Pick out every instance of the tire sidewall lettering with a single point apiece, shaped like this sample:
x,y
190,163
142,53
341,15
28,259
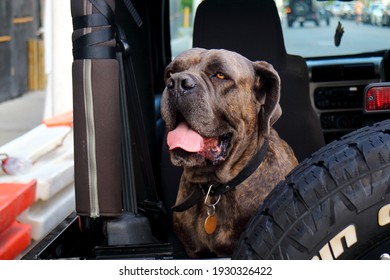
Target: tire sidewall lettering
x,y
384,215
334,248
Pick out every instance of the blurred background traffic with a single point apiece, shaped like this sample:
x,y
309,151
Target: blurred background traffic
x,y
308,26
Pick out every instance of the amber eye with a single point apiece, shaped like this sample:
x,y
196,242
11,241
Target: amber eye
x,y
220,76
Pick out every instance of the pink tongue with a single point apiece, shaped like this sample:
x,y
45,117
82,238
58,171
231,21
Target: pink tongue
x,y
185,138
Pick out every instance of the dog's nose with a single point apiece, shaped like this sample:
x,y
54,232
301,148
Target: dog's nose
x,y
187,83
181,83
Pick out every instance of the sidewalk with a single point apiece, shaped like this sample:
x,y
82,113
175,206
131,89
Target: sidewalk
x,y
19,115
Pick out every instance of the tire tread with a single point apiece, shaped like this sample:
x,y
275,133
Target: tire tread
x,y
349,176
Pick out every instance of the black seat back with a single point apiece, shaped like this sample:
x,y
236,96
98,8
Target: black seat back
x,y
253,29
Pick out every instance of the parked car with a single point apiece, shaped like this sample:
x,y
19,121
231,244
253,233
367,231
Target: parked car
x,y
335,8
377,15
366,15
306,10
335,102
386,17
346,11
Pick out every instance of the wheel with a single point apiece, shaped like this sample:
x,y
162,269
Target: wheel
x,y
334,205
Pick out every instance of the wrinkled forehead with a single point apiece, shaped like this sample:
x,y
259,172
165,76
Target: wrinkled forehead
x,y
212,61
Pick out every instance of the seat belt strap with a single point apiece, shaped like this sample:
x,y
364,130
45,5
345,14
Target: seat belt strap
x,y
136,126
128,184
133,12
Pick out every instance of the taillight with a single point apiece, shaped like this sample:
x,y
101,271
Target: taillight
x,y
288,10
378,97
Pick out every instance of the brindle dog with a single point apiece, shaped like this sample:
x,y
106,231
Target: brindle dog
x,y
219,109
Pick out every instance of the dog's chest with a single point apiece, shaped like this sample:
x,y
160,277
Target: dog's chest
x,y
195,226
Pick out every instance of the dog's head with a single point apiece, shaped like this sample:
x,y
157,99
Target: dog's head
x,y
215,103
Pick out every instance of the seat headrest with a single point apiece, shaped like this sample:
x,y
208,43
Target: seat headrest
x,y
249,27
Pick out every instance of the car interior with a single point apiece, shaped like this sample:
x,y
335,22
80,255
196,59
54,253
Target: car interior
x,y
321,100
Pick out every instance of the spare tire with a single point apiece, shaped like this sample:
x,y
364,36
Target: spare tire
x,y
334,205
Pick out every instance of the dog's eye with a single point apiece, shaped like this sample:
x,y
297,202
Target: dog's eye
x,y
220,76
169,74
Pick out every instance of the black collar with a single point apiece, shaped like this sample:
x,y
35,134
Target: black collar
x,y
220,189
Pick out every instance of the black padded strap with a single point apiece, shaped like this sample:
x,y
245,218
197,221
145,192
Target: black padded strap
x,y
104,9
91,45
92,20
93,38
94,52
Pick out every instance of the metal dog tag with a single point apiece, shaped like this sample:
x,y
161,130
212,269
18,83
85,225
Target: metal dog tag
x,y
210,224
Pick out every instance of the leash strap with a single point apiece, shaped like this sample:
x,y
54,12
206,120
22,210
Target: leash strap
x,y
190,201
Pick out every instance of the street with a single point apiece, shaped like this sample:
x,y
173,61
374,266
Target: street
x,y
312,41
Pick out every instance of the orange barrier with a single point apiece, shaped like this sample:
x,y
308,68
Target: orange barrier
x,y
14,240
65,119
14,199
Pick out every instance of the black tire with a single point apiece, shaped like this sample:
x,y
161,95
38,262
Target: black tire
x,y
334,205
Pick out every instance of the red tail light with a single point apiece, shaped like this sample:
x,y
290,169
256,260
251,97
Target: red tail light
x,y
378,98
288,10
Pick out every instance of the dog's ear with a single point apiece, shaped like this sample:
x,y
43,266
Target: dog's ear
x,y
267,89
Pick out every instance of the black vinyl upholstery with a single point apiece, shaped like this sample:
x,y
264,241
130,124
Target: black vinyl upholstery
x,y
253,29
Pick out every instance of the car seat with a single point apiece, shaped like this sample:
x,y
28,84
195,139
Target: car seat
x,y
253,29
